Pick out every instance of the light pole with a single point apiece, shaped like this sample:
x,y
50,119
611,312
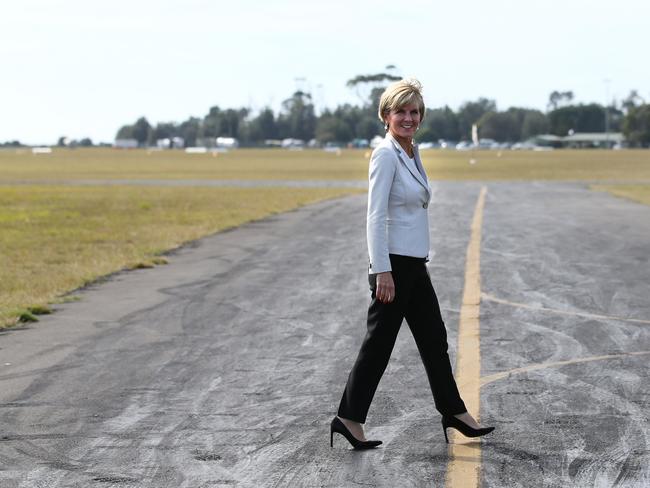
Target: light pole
x,y
606,81
319,99
300,83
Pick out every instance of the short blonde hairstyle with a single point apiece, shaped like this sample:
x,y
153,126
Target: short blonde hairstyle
x,y
401,93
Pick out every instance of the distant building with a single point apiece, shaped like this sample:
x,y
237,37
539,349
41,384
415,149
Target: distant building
x,y
170,143
543,140
376,141
581,140
125,143
359,143
227,142
218,142
290,143
594,139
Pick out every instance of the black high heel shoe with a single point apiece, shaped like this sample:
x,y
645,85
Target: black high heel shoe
x,y
338,426
464,429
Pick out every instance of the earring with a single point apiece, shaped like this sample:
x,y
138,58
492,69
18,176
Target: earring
x,y
385,126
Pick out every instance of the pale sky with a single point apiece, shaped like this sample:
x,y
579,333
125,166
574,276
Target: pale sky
x,y
81,68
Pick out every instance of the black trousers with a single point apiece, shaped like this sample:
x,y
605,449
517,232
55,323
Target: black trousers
x,y
416,301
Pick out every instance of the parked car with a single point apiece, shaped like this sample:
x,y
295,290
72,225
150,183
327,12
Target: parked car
x,y
427,145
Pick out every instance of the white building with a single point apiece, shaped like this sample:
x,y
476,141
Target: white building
x,y
218,142
290,143
125,143
227,142
376,141
170,143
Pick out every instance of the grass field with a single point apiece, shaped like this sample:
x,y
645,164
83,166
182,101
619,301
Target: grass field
x,y
56,237
277,164
638,193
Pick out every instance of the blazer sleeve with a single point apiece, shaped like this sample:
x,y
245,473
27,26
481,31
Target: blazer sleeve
x,y
380,174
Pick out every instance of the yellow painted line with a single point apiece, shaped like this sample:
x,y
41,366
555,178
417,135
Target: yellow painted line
x,y
494,299
505,374
465,456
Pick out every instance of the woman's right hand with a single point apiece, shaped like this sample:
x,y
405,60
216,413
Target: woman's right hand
x,y
385,291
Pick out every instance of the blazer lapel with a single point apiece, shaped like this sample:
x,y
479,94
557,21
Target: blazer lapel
x,y
417,172
418,163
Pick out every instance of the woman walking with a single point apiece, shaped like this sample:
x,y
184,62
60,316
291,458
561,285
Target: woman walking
x,y
398,247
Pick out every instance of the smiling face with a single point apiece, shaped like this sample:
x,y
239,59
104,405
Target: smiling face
x,y
403,121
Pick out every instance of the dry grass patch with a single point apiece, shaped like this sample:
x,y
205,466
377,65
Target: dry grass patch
x,y
567,165
55,239
279,164
246,164
638,193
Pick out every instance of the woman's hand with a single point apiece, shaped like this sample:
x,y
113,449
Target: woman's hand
x,y
385,291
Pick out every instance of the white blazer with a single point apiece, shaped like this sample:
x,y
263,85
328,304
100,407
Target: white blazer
x,y
398,202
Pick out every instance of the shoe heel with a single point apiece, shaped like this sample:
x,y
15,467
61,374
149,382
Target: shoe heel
x,y
444,429
463,428
338,426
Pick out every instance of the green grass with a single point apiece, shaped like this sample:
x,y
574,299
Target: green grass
x,y
54,239
278,164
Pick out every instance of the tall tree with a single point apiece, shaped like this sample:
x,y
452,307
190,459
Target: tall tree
x,y
331,128
439,123
141,130
534,123
500,126
579,118
369,87
125,132
189,130
632,100
636,125
615,118
231,121
558,98
262,127
211,126
297,119
163,130
367,127
470,113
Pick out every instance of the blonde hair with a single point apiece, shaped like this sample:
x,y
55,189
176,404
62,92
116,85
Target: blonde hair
x,y
401,93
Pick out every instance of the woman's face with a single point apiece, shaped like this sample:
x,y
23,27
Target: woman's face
x,y
404,121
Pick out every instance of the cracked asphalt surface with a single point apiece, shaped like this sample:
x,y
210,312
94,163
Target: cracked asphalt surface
x,y
224,367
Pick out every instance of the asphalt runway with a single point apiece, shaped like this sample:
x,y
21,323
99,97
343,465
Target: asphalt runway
x,y
225,367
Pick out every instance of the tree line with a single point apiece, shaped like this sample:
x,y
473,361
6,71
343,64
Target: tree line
x,y
297,119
